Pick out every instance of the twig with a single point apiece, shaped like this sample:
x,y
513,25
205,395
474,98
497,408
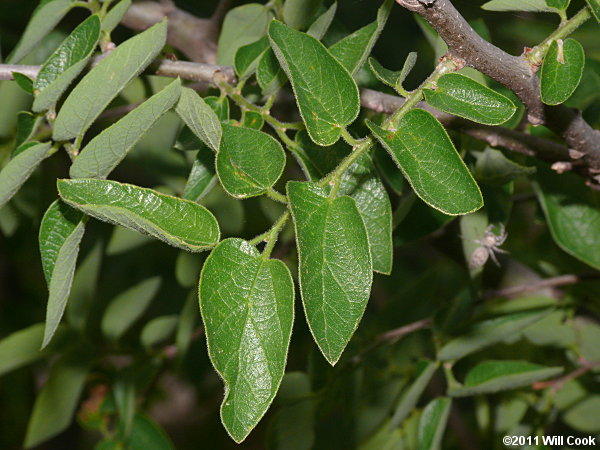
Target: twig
x,y
515,72
558,383
392,336
563,280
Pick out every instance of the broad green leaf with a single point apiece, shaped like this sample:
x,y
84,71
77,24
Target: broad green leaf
x,y
44,19
106,150
200,117
462,96
494,168
128,307
325,107
422,149
494,376
56,403
353,50
146,434
21,348
572,211
114,16
424,372
561,71
362,183
321,24
180,223
247,305
61,232
247,57
220,105
297,13
252,119
202,177
558,4
583,416
594,6
101,84
432,423
158,330
392,78
242,26
187,268
269,74
65,64
335,266
517,5
20,168
488,332
23,81
249,161
27,124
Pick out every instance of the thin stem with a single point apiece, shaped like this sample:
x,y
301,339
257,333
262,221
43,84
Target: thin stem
x,y
349,138
274,195
273,234
565,29
563,280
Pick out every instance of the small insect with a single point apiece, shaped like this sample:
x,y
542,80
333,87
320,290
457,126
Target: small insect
x,y
489,246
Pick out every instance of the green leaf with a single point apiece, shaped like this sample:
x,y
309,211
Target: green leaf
x,y
187,322
424,372
269,74
128,307
242,26
201,118
321,24
572,211
420,220
494,168
27,124
220,105
561,71
353,50
24,82
61,232
21,348
422,149
388,169
247,304
517,5
432,423
325,107
335,267
148,435
247,57
65,64
297,13
362,183
488,332
187,268
252,119
20,168
106,150
101,84
494,376
594,6
583,416
44,19
158,330
558,4
392,78
464,97
202,177
114,16
144,210
56,403
249,161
